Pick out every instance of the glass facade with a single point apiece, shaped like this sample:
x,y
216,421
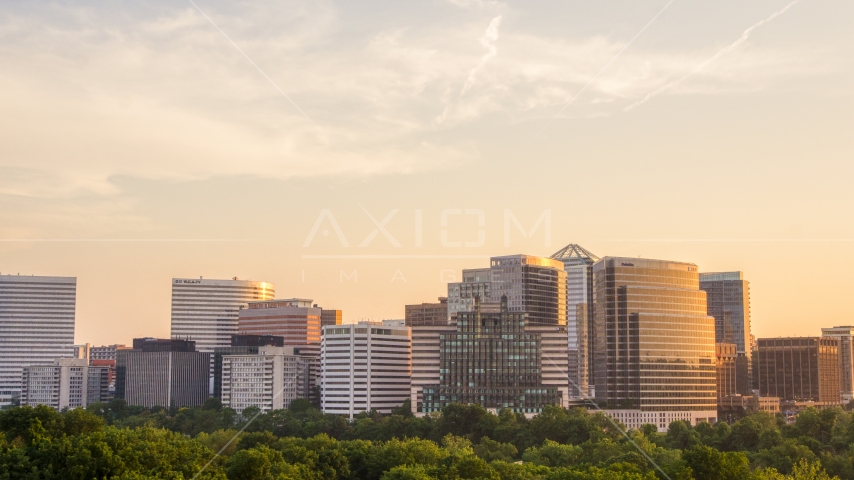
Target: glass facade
x,y
654,344
534,285
728,301
492,361
578,264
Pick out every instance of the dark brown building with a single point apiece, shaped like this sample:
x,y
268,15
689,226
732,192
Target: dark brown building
x,y
725,366
427,314
800,369
330,317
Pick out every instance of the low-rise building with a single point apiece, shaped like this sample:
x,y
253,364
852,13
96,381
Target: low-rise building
x,y
799,369
162,372
68,383
270,379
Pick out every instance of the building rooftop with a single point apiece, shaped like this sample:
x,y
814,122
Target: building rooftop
x,y
573,251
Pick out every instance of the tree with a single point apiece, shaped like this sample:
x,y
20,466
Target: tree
x,y
490,450
706,463
553,454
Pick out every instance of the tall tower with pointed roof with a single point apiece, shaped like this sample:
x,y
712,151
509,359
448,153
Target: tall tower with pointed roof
x,y
578,264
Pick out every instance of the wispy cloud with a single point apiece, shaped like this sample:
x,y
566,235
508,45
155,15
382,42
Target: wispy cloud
x,y
729,48
488,42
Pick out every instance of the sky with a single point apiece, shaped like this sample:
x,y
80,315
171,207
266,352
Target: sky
x,y
141,141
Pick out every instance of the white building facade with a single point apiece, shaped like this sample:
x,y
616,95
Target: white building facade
x,y
269,380
36,326
365,366
206,311
425,359
69,383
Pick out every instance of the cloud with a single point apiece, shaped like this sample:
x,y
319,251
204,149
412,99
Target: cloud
x,y
729,48
93,93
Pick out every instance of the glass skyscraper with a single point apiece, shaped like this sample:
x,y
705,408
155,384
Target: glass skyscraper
x,y
654,344
578,264
491,360
728,300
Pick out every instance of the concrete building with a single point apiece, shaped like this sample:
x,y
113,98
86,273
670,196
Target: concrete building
x,y
845,335
654,344
68,383
365,366
241,345
206,311
36,326
427,313
270,379
106,352
799,369
725,368
493,360
425,360
162,372
728,301
578,264
296,320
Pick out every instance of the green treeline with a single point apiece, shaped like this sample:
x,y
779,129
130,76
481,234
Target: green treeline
x,y
109,441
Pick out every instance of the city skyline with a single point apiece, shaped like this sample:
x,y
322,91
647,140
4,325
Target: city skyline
x,y
168,140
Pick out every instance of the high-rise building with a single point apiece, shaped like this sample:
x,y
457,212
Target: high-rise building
x,y
206,311
106,352
68,383
578,264
427,313
533,285
162,372
728,301
491,360
270,379
36,326
294,319
331,317
845,335
365,366
799,369
654,344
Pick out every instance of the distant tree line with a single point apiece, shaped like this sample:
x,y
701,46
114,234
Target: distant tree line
x,y
117,441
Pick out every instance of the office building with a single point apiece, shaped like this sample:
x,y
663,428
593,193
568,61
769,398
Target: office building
x,y
162,372
331,317
241,345
36,326
427,313
425,359
654,344
728,301
845,335
68,383
106,352
269,379
799,369
461,295
365,366
725,368
578,264
491,360
294,319
206,311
